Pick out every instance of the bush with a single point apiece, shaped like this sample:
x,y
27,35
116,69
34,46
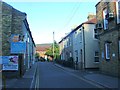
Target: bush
x,y
68,63
42,59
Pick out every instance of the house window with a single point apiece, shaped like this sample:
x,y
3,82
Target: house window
x,y
104,19
76,53
118,11
75,32
119,49
96,58
107,51
70,54
28,39
95,34
69,41
80,37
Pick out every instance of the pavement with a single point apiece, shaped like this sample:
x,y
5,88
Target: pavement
x,y
27,81
97,77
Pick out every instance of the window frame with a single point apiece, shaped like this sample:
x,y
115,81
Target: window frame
x,y
119,49
95,34
118,11
105,21
96,56
107,51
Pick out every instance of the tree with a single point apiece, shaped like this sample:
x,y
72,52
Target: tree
x,y
37,55
49,51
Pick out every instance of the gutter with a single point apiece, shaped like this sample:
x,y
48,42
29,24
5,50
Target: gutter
x,y
83,47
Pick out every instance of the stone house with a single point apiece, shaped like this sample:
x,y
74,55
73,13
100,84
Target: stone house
x,y
17,45
108,27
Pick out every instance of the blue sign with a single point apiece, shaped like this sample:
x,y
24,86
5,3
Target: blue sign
x,y
18,47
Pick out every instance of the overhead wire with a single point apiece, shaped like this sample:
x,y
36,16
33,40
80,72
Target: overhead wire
x,y
74,11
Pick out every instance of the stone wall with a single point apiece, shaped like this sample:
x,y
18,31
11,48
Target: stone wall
x,y
0,28
6,28
11,23
112,66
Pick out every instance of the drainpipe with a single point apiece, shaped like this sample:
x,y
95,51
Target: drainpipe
x,y
83,48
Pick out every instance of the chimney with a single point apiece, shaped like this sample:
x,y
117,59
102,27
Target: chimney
x,y
91,16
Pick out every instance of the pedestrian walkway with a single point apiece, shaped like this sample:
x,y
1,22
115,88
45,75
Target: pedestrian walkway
x,y
95,77
25,82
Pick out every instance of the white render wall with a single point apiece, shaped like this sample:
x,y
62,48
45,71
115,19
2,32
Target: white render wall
x,y
91,45
77,44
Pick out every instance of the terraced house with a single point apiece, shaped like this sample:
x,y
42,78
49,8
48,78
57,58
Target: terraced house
x,y
85,44
108,27
82,45
66,47
17,44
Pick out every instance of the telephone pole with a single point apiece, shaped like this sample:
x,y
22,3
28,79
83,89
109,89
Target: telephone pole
x,y
53,45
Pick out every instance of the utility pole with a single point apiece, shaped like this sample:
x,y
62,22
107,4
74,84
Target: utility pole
x,y
53,45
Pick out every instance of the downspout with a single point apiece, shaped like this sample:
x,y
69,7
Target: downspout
x,y
83,47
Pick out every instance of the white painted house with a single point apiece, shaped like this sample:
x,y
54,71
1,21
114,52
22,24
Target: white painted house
x,y
82,44
85,45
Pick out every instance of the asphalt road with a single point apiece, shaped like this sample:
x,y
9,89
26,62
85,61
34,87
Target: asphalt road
x,y
50,76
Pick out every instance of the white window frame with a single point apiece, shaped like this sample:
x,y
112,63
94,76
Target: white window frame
x,y
107,50
70,54
104,19
70,41
118,11
96,56
80,35
94,34
119,48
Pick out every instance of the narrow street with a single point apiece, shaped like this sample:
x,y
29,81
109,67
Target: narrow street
x,y
51,76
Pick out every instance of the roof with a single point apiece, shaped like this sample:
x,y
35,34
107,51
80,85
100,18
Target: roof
x,y
43,47
91,21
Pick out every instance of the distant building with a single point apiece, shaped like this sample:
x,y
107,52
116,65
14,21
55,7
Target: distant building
x,y
108,27
42,48
18,48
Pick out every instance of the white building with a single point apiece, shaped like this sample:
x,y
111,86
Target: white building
x,y
82,45
85,45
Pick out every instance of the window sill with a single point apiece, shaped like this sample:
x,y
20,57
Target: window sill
x,y
96,62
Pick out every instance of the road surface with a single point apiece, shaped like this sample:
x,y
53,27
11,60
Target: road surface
x,y
48,75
